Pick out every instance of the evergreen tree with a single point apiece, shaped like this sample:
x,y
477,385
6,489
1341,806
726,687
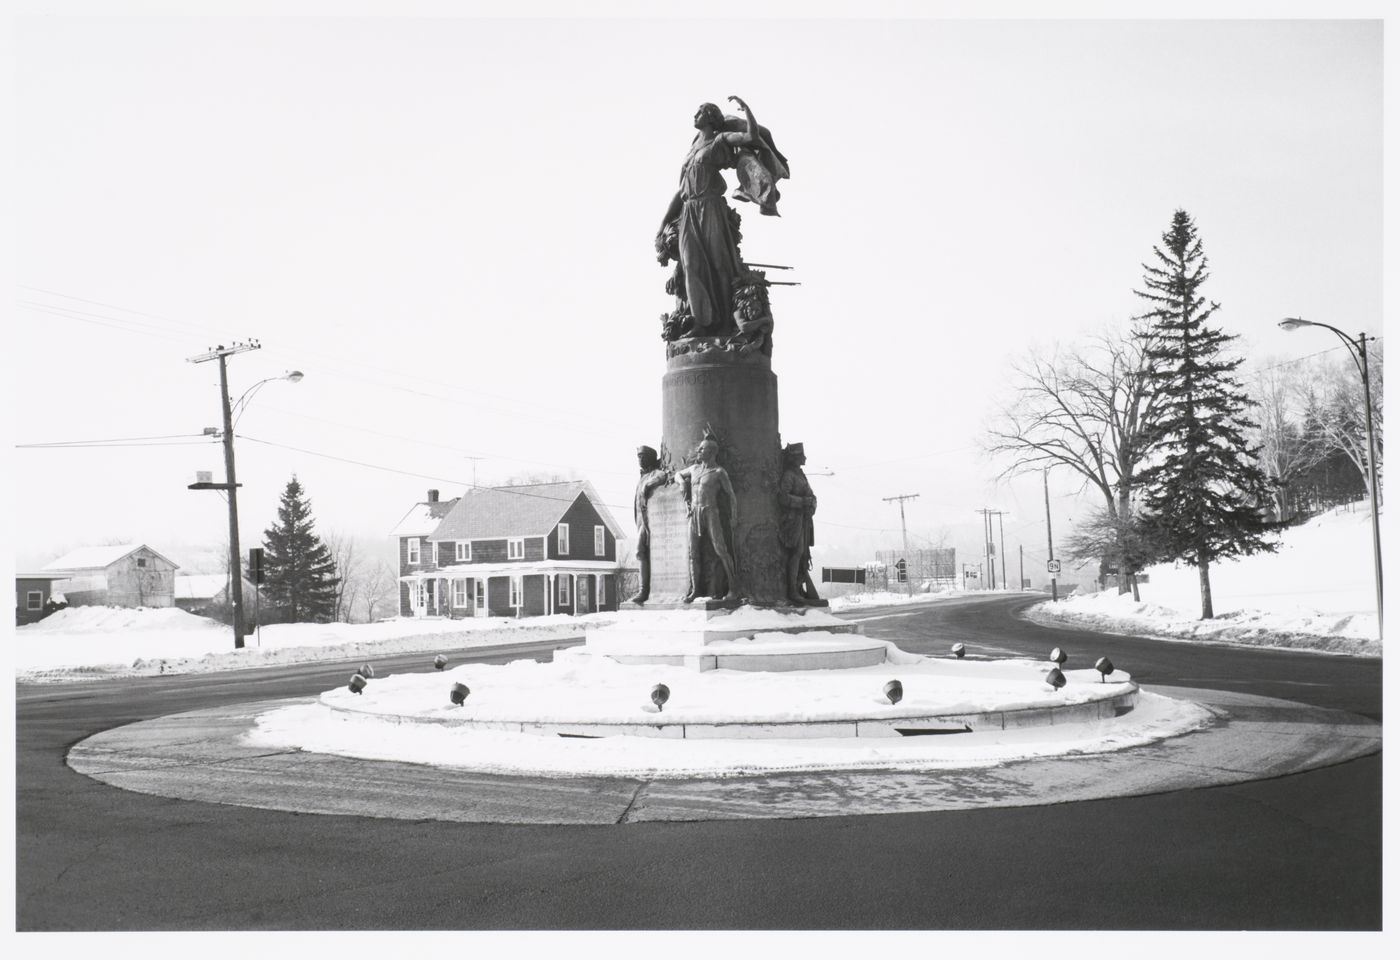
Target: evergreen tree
x,y
300,574
1204,494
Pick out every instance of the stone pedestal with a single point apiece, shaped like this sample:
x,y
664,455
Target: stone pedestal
x,y
733,396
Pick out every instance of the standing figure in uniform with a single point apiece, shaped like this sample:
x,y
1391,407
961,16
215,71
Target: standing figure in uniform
x,y
709,499
796,506
653,476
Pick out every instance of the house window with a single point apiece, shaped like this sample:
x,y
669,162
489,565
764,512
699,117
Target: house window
x,y
515,548
602,589
141,561
413,550
564,591
599,542
464,550
459,593
515,591
480,594
435,553
34,600
563,539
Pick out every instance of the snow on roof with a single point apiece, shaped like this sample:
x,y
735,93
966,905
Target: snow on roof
x,y
422,519
199,586
99,558
526,510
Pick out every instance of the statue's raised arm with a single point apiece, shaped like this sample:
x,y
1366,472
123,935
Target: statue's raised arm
x,y
699,231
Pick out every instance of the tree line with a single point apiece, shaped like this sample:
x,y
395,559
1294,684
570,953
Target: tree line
x,y
1194,459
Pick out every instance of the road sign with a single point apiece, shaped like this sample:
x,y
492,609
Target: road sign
x,y
1052,566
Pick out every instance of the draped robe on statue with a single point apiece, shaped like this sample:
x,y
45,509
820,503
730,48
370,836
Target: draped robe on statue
x,y
708,248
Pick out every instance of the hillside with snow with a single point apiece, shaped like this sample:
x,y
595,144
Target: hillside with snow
x,y
1317,591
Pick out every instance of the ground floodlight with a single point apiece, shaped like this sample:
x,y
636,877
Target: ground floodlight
x,y
368,671
959,650
660,694
1058,657
1104,666
894,691
459,693
439,661
357,683
1055,678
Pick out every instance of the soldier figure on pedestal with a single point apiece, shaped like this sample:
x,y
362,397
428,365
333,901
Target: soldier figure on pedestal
x,y
653,476
709,498
796,504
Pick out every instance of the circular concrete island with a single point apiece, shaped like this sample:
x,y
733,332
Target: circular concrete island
x,y
719,693
718,714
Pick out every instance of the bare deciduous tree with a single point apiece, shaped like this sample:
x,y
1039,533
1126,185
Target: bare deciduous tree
x,y
1286,449
380,588
347,567
1338,410
1085,410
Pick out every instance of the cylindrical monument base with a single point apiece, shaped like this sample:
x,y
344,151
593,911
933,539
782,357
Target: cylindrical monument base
x,y
734,398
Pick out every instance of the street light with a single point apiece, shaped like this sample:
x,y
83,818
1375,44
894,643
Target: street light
x,y
1356,346
292,376
222,353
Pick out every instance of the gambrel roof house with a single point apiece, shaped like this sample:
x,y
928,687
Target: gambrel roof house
x,y
522,550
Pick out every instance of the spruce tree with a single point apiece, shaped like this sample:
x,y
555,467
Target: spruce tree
x,y
300,576
1204,494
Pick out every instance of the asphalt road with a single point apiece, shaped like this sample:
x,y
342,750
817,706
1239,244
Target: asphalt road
x,y
1298,853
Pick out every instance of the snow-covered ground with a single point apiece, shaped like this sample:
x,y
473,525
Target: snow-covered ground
x,y
98,642
1316,592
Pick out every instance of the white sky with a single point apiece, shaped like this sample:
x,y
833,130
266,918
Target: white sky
x,y
446,223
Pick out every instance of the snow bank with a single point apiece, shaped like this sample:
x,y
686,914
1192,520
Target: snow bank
x,y
1316,592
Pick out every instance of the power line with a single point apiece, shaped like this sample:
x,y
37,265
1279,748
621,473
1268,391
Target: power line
x,y
113,440
515,490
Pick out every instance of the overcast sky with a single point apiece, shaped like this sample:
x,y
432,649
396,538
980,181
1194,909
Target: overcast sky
x,y
446,223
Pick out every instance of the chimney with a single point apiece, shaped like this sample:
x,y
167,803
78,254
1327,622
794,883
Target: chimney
x,y
432,496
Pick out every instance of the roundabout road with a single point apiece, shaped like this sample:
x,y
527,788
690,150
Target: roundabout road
x,y
1296,852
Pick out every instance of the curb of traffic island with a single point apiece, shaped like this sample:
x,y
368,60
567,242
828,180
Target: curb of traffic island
x,y
1015,718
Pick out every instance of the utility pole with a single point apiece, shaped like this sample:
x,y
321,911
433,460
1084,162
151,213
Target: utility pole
x,y
1049,539
989,547
908,582
1022,547
235,564
1001,532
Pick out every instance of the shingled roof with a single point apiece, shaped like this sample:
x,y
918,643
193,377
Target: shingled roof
x,y
527,510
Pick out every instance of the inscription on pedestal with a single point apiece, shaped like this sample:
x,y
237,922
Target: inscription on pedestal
x,y
670,543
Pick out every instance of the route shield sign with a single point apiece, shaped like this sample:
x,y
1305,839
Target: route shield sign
x,y
1052,566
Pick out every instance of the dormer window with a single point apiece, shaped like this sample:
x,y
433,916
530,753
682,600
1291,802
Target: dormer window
x,y
464,551
515,549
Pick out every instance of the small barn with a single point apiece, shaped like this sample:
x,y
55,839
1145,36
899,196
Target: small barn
x,y
206,594
123,575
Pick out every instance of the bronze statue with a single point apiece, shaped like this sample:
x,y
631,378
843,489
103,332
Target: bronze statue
x,y
796,506
653,476
710,503
700,232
